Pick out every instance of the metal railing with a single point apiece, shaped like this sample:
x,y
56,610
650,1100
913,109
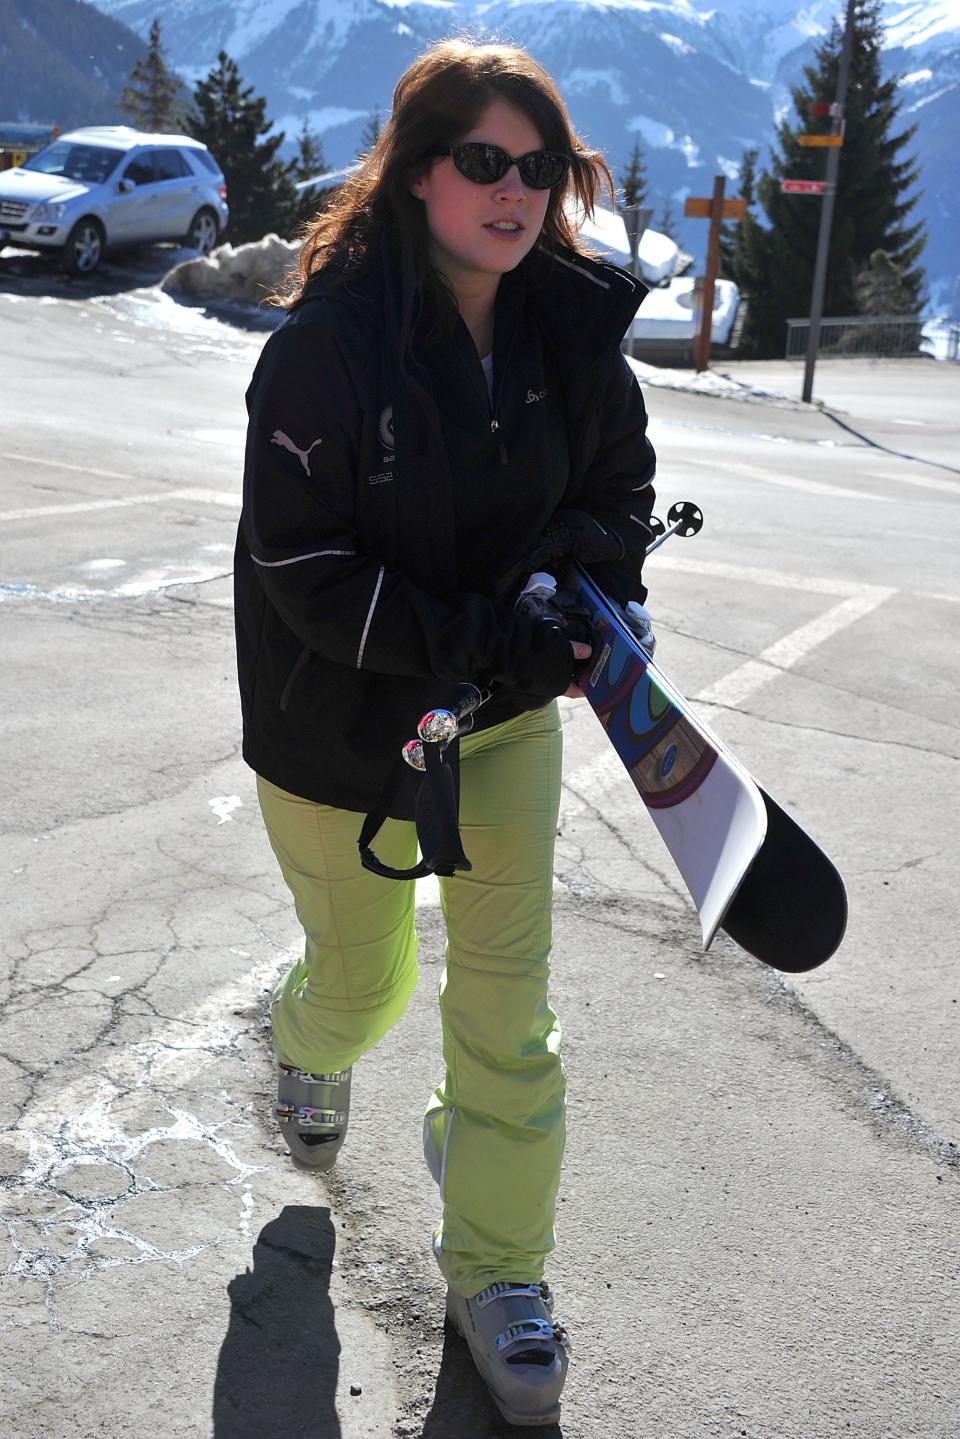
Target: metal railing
x,y
843,336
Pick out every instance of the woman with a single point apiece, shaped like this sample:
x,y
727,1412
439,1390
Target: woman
x,y
447,386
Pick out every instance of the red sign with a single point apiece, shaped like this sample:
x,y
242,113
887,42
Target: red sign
x,y
802,187
819,107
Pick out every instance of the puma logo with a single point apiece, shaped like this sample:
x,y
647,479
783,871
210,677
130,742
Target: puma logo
x,y
285,443
534,395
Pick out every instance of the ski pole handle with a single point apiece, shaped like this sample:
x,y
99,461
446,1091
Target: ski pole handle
x,y
440,726
685,519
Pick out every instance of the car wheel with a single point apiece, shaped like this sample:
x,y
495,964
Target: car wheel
x,y
84,248
204,232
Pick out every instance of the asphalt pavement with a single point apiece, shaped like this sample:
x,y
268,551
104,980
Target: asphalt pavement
x,y
758,1224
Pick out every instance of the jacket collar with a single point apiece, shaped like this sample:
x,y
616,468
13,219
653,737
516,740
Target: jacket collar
x,y
583,304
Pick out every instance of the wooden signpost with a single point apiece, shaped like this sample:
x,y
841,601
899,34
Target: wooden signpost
x,y
715,209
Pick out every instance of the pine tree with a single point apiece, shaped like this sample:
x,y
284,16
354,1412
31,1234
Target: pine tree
x,y
306,165
732,236
633,181
667,224
151,97
873,201
371,133
881,288
232,123
308,161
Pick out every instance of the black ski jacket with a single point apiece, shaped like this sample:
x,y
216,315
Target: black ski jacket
x,y
387,506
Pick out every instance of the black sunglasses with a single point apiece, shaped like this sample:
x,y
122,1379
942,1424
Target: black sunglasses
x,y
486,164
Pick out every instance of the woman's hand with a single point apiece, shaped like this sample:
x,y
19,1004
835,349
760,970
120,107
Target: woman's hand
x,y
580,652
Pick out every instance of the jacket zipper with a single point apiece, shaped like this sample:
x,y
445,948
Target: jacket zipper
x,y
495,407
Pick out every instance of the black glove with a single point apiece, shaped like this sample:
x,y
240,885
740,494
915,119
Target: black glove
x,y
570,535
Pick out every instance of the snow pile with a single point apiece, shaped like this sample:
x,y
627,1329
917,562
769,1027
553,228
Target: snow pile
x,y
709,382
242,273
941,339
657,254
669,313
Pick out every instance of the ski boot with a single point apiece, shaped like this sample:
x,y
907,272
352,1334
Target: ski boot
x,y
520,1351
313,1111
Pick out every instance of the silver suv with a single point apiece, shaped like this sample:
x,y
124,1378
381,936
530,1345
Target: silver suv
x,y
109,187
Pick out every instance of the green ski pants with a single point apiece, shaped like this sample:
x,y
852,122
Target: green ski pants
x,y
494,1128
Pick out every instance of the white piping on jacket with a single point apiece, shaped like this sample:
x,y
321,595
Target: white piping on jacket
x,y
373,606
313,555
642,523
579,269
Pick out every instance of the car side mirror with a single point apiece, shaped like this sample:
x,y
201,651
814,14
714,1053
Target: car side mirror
x,y
125,186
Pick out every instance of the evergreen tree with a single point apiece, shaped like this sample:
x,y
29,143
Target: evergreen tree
x,y
881,288
732,235
873,201
306,165
371,133
232,123
151,97
667,224
633,181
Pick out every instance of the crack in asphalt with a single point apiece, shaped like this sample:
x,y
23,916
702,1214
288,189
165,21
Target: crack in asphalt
x,y
776,723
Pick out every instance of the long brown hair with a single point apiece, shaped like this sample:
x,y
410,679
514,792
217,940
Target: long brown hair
x,y
438,99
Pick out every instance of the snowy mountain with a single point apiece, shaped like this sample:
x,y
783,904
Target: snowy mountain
x,y
695,85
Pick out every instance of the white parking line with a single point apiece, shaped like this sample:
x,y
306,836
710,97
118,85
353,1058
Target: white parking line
x,y
65,465
203,497
788,482
922,482
732,689
756,574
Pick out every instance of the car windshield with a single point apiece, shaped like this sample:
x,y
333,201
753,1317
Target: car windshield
x,y
88,163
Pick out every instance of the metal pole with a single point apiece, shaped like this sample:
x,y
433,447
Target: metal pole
x,y
636,218
701,350
826,214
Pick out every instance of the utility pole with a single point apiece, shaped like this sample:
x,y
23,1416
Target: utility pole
x,y
826,214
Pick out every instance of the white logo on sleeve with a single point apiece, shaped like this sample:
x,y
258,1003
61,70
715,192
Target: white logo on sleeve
x,y
284,441
534,395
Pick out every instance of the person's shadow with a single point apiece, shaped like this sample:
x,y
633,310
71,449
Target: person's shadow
x,y
461,1393
278,1365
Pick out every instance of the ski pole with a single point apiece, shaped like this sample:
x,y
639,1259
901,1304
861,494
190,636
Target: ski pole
x,y
440,726
685,518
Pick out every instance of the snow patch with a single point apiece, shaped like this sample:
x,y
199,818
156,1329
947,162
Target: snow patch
x,y
929,99
326,118
657,254
909,23
669,313
578,82
675,43
244,273
96,567
223,806
916,77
